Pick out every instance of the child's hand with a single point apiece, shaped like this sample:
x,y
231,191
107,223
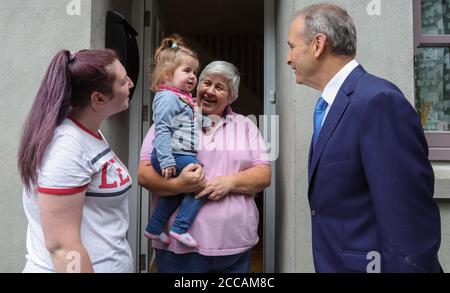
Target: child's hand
x,y
168,172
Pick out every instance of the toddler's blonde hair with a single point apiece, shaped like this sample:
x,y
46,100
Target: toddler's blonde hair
x,y
167,59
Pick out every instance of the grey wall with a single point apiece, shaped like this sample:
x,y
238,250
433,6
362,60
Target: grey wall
x,y
32,32
385,48
444,252
293,223
35,31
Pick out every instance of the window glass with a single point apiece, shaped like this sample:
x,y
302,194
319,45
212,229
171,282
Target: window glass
x,y
433,88
435,17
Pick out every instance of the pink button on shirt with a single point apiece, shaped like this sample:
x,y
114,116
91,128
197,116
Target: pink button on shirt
x,y
228,226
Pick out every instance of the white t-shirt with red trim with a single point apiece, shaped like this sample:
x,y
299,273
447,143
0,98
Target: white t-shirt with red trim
x,y
78,160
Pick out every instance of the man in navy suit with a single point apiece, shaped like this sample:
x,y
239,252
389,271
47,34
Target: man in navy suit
x,y
371,184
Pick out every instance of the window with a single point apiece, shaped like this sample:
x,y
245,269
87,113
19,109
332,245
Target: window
x,y
432,73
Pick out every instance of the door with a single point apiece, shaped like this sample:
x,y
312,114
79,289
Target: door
x,y
228,43
145,19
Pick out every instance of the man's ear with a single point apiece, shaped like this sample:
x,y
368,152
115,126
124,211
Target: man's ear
x,y
319,45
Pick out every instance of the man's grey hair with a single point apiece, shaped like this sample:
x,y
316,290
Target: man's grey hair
x,y
229,71
332,21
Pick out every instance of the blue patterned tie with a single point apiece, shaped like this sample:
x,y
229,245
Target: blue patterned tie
x,y
319,113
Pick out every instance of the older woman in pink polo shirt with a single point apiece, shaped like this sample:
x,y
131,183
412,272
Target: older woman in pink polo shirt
x,y
235,168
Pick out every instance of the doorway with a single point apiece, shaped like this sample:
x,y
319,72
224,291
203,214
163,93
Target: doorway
x,y
229,30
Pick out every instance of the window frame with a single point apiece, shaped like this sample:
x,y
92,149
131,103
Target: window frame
x,y
438,141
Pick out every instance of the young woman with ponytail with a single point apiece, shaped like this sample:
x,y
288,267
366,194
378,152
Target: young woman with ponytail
x,y
75,187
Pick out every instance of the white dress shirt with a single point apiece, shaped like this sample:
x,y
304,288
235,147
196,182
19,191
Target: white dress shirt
x,y
331,89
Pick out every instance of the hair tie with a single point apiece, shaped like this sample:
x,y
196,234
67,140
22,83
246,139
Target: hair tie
x,y
71,56
174,45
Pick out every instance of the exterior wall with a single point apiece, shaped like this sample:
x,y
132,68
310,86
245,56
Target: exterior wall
x,y
44,28
444,252
389,37
293,231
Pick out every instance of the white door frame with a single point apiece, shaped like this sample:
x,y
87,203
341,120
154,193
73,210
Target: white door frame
x,y
151,35
139,124
270,132
145,20
135,138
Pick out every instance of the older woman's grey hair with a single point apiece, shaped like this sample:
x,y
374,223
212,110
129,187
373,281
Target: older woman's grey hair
x,y
229,71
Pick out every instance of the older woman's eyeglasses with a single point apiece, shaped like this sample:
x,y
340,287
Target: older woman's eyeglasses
x,y
218,87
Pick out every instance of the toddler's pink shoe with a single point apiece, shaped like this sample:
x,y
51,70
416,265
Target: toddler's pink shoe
x,y
162,237
184,238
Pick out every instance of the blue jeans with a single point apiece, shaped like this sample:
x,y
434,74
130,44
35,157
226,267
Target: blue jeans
x,y
169,262
165,206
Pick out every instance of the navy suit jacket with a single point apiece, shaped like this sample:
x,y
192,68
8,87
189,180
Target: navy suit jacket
x,y
371,184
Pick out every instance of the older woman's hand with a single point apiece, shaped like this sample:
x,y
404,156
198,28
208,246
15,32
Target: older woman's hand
x,y
191,178
217,188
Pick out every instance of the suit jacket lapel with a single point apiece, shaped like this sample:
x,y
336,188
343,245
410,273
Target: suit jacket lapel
x,y
332,120
335,114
